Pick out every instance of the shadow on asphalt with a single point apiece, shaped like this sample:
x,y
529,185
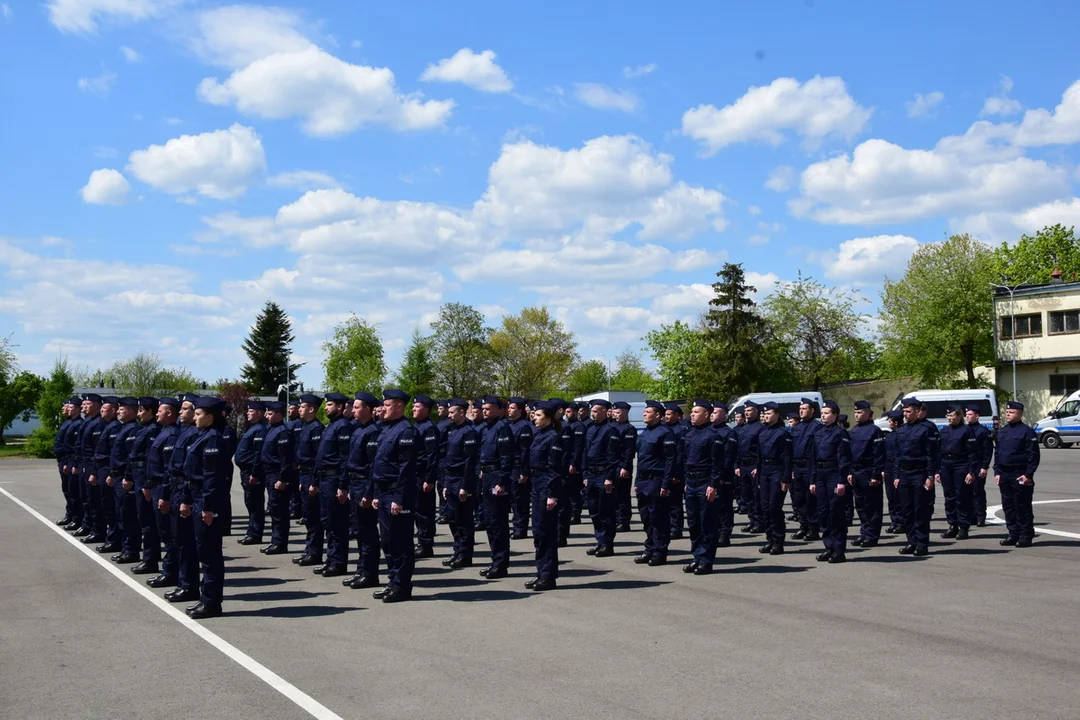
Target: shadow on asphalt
x,y
892,558
474,595
277,595
761,569
230,569
619,585
1053,543
259,580
292,611
968,551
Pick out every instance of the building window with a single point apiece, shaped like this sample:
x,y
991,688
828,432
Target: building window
x,y
1064,321
1064,384
1026,326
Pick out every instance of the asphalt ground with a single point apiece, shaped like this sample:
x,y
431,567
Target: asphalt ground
x,y
973,630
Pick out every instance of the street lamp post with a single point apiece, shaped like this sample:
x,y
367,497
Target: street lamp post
x,y
1012,319
607,371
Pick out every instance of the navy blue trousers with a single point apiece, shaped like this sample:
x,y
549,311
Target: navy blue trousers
x,y
334,518
127,514
959,496
675,507
400,555
255,502
892,496
312,507
575,485
170,559
110,511
978,495
624,506
208,543
658,522
279,505
426,507
772,505
703,522
148,526
916,506
497,512
463,529
545,528
832,512
803,503
186,550
1016,503
522,502
601,511
869,502
725,509
367,539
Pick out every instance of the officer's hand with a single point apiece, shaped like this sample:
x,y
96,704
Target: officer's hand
x,y
428,487
982,474
252,480
313,490
573,470
109,481
896,483
92,480
841,490
163,507
185,510
784,487
1024,480
522,479
365,503
74,469
753,473
637,490
498,491
146,494
63,469
608,486
738,472
584,483
997,479
551,503
624,473
128,485
395,509
207,517
929,484
968,479
462,495
375,504
710,493
937,478
664,493
444,493
849,478
279,485
874,482
342,496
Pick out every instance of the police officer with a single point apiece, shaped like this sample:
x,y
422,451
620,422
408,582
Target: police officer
x,y
249,461
102,477
725,486
182,525
1015,464
774,477
86,441
158,533
443,426
673,418
277,465
624,480
545,466
203,498
656,457
363,446
521,428
496,473
128,532
892,494
867,466
332,496
830,456
916,466
230,439
984,451
63,449
296,497
566,442
394,474
306,449
599,467
427,473
702,450
460,478
803,503
746,468
145,522
574,485
958,452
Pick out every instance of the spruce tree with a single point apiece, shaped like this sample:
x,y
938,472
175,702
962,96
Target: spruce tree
x,y
268,348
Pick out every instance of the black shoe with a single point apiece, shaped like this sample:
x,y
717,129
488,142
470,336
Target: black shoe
x,y
543,585
813,536
479,527
563,542
441,520
765,549
301,521
127,558
907,550
460,562
447,562
273,550
604,551
519,535
382,592
145,568
1007,541
921,550
837,558
108,547
690,568
981,523
334,571
1026,542
353,535
800,534
363,581
747,529
64,520
182,595
703,570
396,595
757,530
857,542
642,559
81,532
497,573
963,534
115,557
423,551
73,526
723,542
656,560
622,527
824,557
951,532
792,518
202,611
532,583
868,544
575,519
294,516
592,550
319,570
249,540
160,581
676,534
308,561
891,530
777,550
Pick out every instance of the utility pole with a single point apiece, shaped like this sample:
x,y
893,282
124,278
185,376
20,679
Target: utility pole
x,y
1012,320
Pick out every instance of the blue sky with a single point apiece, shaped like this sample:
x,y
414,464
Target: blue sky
x,y
170,166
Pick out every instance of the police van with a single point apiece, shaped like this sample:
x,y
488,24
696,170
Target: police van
x,y
1061,428
787,402
936,403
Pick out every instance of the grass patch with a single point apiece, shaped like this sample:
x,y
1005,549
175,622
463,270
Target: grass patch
x,y
13,449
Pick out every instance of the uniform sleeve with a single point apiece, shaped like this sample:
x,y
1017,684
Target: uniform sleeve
x,y
786,450
628,443
504,440
431,447
405,458
671,459
579,448
1032,442
213,467
524,442
811,461
718,467
934,444
470,448
879,453
843,456
987,450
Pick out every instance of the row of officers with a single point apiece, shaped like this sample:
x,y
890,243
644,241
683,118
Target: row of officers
x,y
150,480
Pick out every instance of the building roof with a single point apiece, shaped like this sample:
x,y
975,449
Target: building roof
x,y
1049,288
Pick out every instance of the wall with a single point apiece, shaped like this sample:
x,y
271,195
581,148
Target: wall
x,y
879,393
1046,345
1033,386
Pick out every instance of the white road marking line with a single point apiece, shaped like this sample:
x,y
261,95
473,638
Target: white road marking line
x,y
993,510
302,700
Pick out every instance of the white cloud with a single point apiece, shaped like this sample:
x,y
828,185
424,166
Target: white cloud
x,y
106,187
640,70
83,16
99,85
5,11
477,70
763,283
996,227
781,178
1002,104
753,210
682,212
758,239
601,97
303,180
219,164
815,110
132,56
867,259
1061,127
279,73
923,104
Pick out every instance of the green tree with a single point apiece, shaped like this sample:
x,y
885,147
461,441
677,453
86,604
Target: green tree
x,y
814,324
1033,258
630,374
145,374
587,377
462,355
856,359
533,352
416,375
354,358
56,390
269,348
676,349
17,399
8,363
937,320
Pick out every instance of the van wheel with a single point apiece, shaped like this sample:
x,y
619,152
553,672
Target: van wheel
x,y
1052,441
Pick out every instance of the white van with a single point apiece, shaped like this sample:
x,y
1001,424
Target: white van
x,y
936,402
788,402
1061,428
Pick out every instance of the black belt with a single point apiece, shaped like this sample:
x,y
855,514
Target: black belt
x,y
889,459
697,476
861,465
912,465
489,466
826,464
306,468
748,460
328,473
771,461
801,463
137,463
953,456
1013,468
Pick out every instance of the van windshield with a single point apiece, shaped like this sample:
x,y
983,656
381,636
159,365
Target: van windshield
x,y
939,408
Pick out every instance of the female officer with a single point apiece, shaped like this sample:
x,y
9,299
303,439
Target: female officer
x,y
545,467
206,470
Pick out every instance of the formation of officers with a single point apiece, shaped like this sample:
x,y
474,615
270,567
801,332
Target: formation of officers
x,y
150,480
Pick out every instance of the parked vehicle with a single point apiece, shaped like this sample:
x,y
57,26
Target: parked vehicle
x,y
936,402
788,402
1061,428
